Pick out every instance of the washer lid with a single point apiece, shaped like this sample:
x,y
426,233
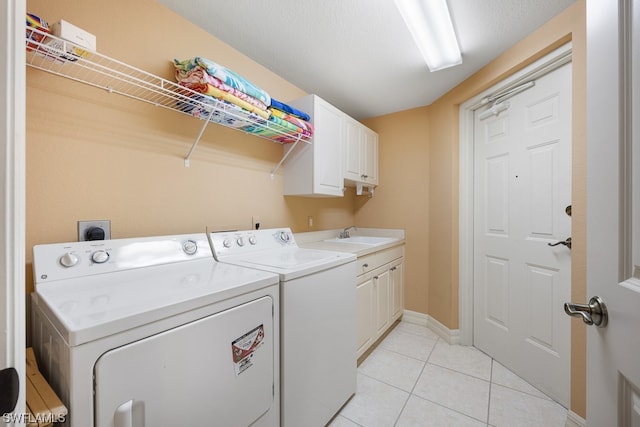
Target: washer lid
x,y
292,262
88,308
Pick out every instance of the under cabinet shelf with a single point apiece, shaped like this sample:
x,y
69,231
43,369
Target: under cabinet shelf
x,y
57,56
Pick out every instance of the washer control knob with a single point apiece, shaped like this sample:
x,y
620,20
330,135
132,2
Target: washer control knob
x,y
100,257
190,247
240,241
226,243
284,237
69,260
253,240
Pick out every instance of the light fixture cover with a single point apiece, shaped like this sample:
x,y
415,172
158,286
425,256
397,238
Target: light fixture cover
x,y
430,25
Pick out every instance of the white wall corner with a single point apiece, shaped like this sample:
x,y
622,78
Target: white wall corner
x,y
451,336
575,420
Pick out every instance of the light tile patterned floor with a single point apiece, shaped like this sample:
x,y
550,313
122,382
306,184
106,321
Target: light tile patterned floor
x,y
415,379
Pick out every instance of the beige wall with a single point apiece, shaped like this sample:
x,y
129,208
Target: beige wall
x,y
92,155
443,140
401,200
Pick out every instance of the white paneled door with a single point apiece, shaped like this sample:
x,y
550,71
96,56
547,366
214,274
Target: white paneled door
x,y
613,210
522,188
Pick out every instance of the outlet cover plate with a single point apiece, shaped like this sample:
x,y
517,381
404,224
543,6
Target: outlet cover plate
x,y
83,226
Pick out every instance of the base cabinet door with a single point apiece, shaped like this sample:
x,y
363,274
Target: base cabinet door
x,y
380,295
365,314
396,291
381,284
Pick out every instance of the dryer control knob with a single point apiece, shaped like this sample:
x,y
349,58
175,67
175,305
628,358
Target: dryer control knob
x,y
226,243
284,237
69,260
190,247
240,241
253,240
100,257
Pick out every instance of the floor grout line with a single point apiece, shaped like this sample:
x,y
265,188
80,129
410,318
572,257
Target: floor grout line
x,y
411,393
490,386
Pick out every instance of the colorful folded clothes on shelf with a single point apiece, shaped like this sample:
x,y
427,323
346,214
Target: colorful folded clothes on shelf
x,y
226,96
219,111
237,103
197,79
227,76
289,109
306,126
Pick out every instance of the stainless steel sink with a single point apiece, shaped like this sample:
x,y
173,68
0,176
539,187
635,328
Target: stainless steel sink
x,y
363,240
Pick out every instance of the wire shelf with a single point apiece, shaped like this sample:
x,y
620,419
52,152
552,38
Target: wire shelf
x,y
57,56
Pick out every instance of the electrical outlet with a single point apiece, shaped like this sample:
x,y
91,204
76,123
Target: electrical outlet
x,y
86,227
309,222
255,222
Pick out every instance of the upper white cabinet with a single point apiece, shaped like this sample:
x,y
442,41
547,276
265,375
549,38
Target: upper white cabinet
x,y
316,169
360,153
343,150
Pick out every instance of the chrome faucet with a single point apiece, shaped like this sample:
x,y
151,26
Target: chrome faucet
x,y
344,234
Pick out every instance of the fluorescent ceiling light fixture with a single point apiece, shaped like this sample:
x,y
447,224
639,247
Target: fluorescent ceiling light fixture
x,y
430,25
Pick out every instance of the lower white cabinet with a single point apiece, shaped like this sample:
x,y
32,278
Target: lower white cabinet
x,y
379,295
396,289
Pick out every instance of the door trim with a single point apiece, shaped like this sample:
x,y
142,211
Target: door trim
x,y
545,65
12,193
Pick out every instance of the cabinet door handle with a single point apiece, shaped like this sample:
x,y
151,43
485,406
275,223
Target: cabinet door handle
x,y
393,269
365,265
375,277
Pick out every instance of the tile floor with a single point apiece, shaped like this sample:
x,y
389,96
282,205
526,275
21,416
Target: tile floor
x,y
414,378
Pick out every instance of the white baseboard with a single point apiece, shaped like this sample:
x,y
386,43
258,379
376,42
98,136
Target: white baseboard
x,y
415,317
451,336
575,420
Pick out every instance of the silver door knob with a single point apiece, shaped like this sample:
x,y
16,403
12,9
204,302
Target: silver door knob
x,y
594,313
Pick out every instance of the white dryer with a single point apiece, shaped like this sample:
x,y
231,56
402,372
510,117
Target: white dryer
x,y
153,331
317,319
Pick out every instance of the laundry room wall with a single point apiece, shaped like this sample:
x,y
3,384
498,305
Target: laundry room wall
x,y
419,169
401,200
95,155
443,140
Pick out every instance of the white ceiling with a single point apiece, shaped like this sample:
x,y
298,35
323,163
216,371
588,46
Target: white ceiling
x,y
357,54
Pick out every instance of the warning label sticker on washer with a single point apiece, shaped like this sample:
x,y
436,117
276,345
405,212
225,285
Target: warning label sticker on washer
x,y
243,348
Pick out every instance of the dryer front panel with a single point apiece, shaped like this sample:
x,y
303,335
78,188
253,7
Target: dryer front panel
x,y
218,370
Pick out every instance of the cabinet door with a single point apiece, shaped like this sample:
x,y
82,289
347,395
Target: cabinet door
x,y
327,145
369,156
352,148
381,284
365,314
397,290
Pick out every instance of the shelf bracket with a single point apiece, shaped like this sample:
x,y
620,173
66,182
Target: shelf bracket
x,y
193,146
293,146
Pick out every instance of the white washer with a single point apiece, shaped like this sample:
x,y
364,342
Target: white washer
x,y
153,331
317,319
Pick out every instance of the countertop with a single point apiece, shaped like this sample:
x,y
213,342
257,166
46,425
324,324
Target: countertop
x,y
316,240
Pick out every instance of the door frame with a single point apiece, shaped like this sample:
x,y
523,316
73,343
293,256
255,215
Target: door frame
x,y
12,193
545,65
